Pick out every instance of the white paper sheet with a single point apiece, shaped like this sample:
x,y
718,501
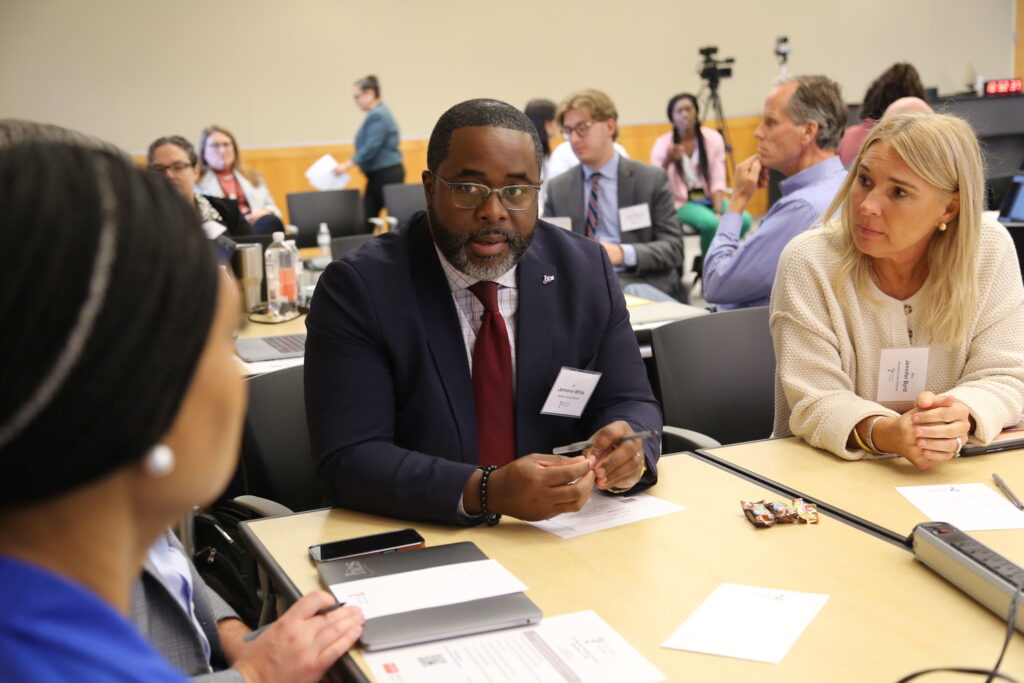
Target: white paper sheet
x,y
572,647
604,512
261,367
747,622
431,587
321,174
969,507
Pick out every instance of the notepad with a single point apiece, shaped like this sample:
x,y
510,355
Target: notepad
x,y
426,594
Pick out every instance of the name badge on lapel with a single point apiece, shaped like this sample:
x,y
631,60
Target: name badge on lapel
x,y
570,392
634,217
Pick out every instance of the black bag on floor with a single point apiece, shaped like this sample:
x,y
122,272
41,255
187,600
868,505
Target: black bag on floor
x,y
224,562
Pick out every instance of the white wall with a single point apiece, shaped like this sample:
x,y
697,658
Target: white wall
x,y
279,73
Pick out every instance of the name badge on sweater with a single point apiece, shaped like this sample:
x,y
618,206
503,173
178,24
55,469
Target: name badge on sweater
x,y
570,392
902,374
634,217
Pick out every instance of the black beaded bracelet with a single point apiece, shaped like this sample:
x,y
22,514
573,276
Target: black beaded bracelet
x,y
490,518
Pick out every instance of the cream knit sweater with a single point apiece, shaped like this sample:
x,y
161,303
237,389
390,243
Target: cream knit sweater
x,y
827,348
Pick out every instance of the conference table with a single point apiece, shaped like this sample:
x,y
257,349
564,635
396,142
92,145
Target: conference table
x,y
864,491
886,615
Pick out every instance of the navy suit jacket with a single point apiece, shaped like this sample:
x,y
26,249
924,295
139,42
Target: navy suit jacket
x,y
389,396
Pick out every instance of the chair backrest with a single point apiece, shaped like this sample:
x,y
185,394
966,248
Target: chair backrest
x,y
342,210
403,200
276,462
717,374
342,245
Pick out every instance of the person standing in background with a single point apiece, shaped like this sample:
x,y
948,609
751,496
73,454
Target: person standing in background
x,y
377,153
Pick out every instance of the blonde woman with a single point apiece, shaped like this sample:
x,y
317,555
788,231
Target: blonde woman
x,y
906,263
222,174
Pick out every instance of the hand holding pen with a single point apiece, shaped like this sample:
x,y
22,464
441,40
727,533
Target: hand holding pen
x,y
616,454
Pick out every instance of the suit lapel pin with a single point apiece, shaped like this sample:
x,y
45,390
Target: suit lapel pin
x,y
548,279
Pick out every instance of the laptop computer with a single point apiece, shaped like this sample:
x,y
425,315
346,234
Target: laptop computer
x,y
432,623
277,347
1009,439
1011,212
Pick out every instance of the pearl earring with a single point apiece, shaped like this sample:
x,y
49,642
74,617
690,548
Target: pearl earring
x,y
942,227
159,461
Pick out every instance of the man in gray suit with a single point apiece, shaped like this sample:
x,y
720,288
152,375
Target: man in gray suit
x,y
200,635
624,204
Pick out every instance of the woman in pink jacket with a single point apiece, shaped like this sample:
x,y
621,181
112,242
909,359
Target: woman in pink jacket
x,y
694,158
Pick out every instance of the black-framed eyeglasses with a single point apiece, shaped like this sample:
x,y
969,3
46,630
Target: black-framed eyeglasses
x,y
473,195
581,129
177,167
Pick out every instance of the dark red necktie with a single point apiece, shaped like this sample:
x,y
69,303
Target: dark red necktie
x,y
492,382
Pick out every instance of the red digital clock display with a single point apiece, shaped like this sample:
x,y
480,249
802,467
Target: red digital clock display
x,y
1003,86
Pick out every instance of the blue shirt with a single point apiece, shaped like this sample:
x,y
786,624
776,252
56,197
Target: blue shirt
x,y
741,275
608,228
377,141
54,630
174,569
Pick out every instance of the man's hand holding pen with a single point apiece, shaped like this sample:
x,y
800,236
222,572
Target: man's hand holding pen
x,y
616,455
539,486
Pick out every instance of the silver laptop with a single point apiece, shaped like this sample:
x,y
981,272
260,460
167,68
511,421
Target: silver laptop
x,y
271,348
433,623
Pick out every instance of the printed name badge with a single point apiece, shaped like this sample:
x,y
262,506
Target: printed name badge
x,y
570,392
634,217
902,374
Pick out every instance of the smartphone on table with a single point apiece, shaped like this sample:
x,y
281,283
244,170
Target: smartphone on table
x,y
387,542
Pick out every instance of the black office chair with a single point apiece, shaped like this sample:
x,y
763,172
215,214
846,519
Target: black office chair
x,y
403,200
342,210
717,378
342,245
276,462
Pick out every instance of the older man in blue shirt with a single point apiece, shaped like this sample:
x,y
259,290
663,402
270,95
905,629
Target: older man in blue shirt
x,y
801,125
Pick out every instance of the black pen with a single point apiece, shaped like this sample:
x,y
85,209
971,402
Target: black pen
x,y
320,612
1007,492
581,445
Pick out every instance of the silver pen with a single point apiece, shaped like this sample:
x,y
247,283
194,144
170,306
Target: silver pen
x,y
1007,492
581,445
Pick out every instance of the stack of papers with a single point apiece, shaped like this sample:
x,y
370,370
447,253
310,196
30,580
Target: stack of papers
x,y
577,647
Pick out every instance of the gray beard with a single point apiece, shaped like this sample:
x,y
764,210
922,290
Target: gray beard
x,y
454,249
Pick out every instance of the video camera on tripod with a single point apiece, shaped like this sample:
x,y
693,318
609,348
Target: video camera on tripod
x,y
713,70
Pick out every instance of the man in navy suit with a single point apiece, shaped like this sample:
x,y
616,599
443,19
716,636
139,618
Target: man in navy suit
x,y
392,357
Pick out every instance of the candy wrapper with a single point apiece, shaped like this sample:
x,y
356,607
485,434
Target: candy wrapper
x,y
807,512
758,514
782,513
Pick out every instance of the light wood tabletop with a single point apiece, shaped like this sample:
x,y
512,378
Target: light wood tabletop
x,y
867,488
253,329
887,615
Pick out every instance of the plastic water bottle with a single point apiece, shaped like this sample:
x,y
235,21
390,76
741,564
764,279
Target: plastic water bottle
x,y
282,291
300,269
323,240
